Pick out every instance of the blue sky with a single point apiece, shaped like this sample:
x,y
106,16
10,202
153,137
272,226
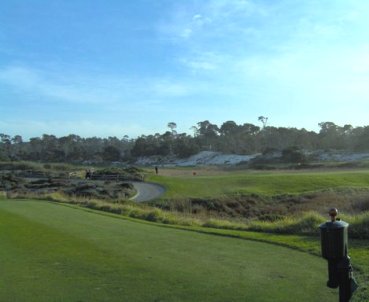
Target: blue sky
x,y
115,68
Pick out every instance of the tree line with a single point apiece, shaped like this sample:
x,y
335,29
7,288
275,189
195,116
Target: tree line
x,y
229,137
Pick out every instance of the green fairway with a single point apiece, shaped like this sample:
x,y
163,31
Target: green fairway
x,y
186,185
52,252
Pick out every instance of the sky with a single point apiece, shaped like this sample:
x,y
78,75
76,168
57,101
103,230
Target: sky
x,y
115,68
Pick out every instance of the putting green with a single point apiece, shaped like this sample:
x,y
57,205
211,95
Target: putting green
x,y
52,252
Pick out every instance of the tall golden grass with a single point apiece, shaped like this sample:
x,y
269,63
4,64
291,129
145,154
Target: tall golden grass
x,y
306,223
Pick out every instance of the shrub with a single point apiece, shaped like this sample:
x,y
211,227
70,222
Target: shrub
x,y
293,155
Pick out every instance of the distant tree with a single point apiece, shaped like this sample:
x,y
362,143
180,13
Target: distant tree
x,y
360,139
139,148
35,148
229,139
263,120
49,146
195,131
207,134
185,146
172,126
293,155
74,149
17,139
170,140
250,129
229,128
5,139
248,142
16,148
330,136
5,146
111,153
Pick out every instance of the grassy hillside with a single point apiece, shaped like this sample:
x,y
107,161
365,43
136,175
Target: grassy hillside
x,y
267,196
210,185
52,252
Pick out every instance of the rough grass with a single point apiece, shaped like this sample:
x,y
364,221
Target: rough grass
x,y
359,225
303,224
125,208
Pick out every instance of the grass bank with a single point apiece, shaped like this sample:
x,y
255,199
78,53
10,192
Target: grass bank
x,y
186,185
303,224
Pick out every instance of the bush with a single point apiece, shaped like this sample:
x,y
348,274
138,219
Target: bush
x,y
293,155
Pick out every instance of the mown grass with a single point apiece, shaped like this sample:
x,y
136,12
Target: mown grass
x,y
51,252
302,229
263,183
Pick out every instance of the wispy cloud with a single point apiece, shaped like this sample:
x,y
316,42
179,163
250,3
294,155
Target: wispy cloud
x,y
211,18
90,89
169,89
249,45
206,61
56,87
183,24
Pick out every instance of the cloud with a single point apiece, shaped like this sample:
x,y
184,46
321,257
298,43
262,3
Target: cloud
x,y
192,26
321,78
271,51
229,9
169,88
183,24
91,89
206,61
55,87
210,18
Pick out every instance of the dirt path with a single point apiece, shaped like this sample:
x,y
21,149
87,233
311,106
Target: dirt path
x,y
147,191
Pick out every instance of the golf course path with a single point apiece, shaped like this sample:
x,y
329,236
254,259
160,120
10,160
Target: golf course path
x,y
147,191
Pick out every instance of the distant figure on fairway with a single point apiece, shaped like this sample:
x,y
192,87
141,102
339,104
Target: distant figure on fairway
x,y
156,170
88,174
